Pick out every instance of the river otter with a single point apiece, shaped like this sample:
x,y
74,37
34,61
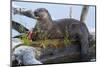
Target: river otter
x,y
58,28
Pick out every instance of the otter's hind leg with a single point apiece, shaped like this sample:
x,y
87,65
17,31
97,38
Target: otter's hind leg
x,y
82,33
84,48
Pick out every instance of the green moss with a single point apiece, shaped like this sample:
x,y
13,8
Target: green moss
x,y
67,41
25,40
43,39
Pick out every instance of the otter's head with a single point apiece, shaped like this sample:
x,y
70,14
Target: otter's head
x,y
41,14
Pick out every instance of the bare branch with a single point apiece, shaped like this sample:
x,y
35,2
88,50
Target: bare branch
x,y
23,11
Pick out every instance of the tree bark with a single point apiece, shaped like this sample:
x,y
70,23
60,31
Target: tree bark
x,y
18,27
84,13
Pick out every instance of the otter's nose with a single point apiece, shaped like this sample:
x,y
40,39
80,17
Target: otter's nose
x,y
36,13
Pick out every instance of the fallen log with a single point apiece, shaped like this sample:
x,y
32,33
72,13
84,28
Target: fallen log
x,y
60,55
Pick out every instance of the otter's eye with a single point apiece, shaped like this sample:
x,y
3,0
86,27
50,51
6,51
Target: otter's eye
x,y
40,10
